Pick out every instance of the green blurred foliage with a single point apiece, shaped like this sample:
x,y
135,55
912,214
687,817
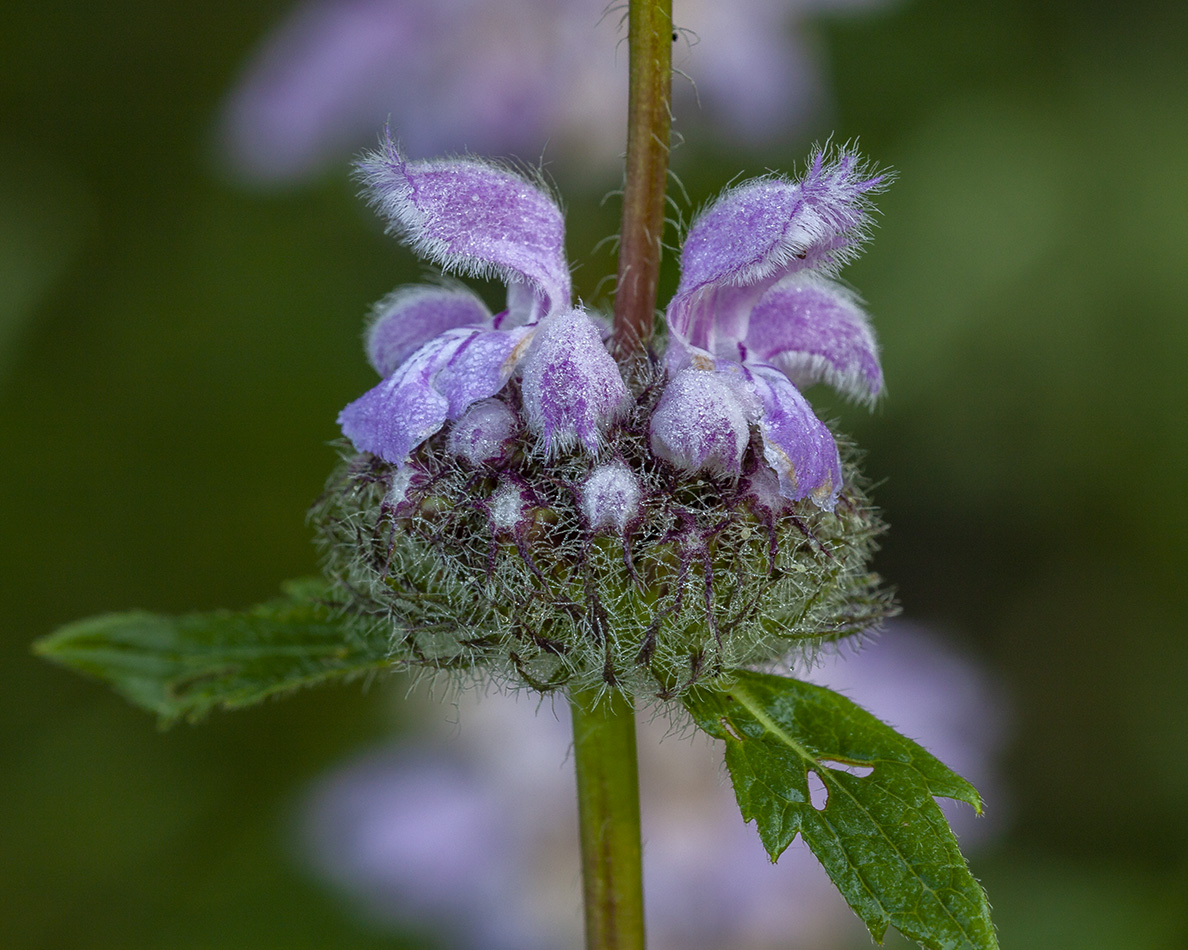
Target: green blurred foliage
x,y
173,351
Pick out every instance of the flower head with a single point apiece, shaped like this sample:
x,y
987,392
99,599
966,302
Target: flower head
x,y
757,317
522,506
439,349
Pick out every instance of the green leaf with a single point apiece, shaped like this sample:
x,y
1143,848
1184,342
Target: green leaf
x,y
185,666
880,835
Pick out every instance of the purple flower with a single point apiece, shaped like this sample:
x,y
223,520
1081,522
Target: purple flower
x,y
757,317
507,77
440,350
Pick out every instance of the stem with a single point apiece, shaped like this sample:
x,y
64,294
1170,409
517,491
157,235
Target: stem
x,y
608,814
649,42
604,731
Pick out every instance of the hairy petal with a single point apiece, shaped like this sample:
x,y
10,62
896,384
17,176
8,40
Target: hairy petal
x,y
796,444
702,421
480,366
438,382
714,320
571,385
815,331
472,217
771,226
410,316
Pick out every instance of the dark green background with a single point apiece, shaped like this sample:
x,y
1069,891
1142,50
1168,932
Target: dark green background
x,y
173,351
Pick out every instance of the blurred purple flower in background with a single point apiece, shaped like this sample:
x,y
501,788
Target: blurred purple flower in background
x,y
506,77
470,830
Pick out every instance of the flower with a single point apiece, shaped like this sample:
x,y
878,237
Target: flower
x,y
440,350
757,317
411,832
506,77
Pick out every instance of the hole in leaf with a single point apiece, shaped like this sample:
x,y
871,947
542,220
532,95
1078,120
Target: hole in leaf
x,y
728,726
818,793
858,771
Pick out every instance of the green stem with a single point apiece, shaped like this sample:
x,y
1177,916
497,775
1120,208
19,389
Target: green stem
x,y
649,41
604,730
608,814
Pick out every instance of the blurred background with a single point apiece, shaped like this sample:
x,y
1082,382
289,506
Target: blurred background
x,y
184,270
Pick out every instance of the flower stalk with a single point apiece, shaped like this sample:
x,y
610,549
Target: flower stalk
x,y
608,810
604,729
649,120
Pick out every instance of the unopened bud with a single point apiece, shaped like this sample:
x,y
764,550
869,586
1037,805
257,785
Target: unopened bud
x,y
485,433
611,497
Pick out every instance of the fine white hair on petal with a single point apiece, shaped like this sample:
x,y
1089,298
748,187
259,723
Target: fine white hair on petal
x,y
611,496
815,330
471,216
412,315
773,225
702,422
796,444
437,383
572,387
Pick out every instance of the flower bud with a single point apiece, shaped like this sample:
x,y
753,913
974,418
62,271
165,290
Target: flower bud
x,y
484,435
508,508
572,388
610,497
702,423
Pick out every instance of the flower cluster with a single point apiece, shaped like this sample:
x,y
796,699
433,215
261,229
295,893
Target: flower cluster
x,y
520,501
757,311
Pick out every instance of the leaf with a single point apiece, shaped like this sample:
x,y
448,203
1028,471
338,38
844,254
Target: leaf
x,y
185,666
880,835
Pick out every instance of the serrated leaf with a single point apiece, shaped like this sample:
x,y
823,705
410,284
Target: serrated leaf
x,y
880,835
185,666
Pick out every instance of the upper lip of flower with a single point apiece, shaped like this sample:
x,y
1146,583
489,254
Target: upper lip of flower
x,y
756,278
474,218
